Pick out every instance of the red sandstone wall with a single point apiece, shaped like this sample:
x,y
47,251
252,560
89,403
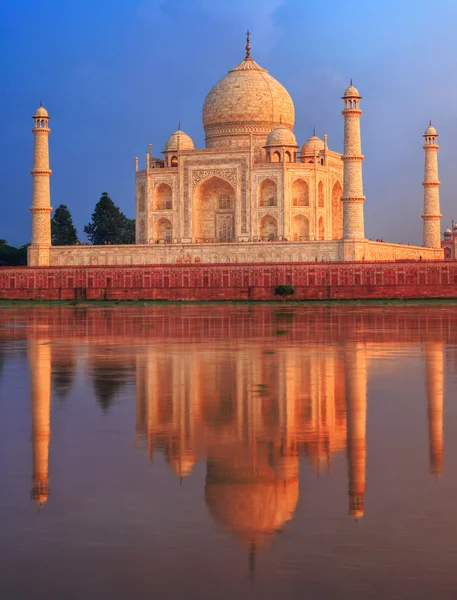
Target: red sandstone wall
x,y
317,281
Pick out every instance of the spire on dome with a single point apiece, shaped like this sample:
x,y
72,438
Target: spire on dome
x,y
314,132
179,125
248,45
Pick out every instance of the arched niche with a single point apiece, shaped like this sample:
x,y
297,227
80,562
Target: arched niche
x,y
141,198
321,228
320,195
276,157
163,231
163,197
287,156
268,228
214,210
337,212
300,228
300,193
268,193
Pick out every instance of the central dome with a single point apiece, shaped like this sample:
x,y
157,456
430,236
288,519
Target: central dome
x,y
247,100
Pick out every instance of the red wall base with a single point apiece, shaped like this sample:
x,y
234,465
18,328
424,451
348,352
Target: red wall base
x,y
312,281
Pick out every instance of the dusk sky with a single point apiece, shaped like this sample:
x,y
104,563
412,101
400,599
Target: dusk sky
x,y
118,74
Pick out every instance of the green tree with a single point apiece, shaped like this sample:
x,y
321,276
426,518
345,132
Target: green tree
x,y
63,232
13,257
284,290
108,225
129,231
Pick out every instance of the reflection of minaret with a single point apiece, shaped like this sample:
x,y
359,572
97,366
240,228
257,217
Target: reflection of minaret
x,y
434,375
40,370
356,401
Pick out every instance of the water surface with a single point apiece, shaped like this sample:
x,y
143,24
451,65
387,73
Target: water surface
x,y
228,451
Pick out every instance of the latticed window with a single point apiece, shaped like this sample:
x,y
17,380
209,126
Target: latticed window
x,y
225,202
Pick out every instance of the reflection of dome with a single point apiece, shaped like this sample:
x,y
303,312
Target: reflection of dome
x,y
314,144
351,92
252,505
430,130
179,141
247,99
281,136
41,112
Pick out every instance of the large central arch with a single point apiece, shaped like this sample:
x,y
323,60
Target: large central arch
x,y
214,211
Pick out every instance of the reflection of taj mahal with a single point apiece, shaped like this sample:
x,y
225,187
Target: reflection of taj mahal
x,y
251,184
250,416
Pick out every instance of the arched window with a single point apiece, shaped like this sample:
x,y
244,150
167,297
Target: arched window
x,y
268,228
287,157
276,157
164,231
321,228
300,193
337,212
320,195
163,197
300,228
141,199
267,193
174,161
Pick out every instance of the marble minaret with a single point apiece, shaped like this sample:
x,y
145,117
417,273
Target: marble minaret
x,y
41,192
353,198
431,183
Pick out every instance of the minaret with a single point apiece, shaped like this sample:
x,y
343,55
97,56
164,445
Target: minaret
x,y
434,361
40,370
431,183
41,195
356,403
353,198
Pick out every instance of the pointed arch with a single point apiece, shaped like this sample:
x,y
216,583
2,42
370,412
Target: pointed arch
x,y
321,228
268,228
267,193
300,228
276,157
163,197
337,211
214,209
320,195
163,231
141,198
300,193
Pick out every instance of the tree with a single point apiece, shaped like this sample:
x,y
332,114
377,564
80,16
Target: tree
x,y
109,225
284,290
63,232
129,231
12,257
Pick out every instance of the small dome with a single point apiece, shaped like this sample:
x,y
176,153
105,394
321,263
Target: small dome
x,y
455,226
179,140
41,112
314,144
448,231
351,92
430,130
281,136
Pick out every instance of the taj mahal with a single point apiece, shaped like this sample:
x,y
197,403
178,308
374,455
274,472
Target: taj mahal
x,y
253,194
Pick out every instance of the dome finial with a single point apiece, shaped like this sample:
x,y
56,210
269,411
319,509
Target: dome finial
x,y
248,45
179,125
314,132
430,123
351,80
41,102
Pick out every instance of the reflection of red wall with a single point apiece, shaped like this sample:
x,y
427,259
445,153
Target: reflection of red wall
x,y
415,279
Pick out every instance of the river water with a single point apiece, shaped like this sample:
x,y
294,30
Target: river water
x,y
228,451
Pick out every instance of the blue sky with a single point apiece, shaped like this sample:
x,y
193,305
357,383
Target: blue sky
x,y
118,74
